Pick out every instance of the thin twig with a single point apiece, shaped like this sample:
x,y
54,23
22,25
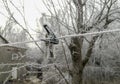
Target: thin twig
x,y
60,72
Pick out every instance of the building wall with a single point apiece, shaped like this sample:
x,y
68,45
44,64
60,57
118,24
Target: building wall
x,y
9,54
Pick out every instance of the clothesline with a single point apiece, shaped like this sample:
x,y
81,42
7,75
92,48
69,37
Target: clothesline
x,y
27,64
62,37
90,33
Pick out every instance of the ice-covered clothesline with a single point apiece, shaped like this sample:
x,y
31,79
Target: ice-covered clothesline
x,y
22,65
66,36
90,33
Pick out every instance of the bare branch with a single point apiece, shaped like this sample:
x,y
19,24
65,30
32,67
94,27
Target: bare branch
x,y
5,40
60,72
65,57
89,51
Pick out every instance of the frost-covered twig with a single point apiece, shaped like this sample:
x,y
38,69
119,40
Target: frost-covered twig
x,y
61,74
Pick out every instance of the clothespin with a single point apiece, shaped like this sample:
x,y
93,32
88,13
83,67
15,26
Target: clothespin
x,y
52,37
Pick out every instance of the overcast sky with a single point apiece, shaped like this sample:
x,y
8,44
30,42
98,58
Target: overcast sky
x,y
33,10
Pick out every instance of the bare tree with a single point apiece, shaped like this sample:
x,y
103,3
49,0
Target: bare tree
x,y
75,17
79,16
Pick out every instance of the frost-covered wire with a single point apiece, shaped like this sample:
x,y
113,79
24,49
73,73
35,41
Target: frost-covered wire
x,y
32,64
10,71
25,42
44,65
66,36
90,33
11,64
27,64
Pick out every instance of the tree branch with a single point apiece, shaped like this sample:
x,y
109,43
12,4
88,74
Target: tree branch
x,y
5,40
89,51
61,74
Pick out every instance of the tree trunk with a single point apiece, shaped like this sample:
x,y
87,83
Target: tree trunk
x,y
77,67
77,72
77,77
76,46
77,63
